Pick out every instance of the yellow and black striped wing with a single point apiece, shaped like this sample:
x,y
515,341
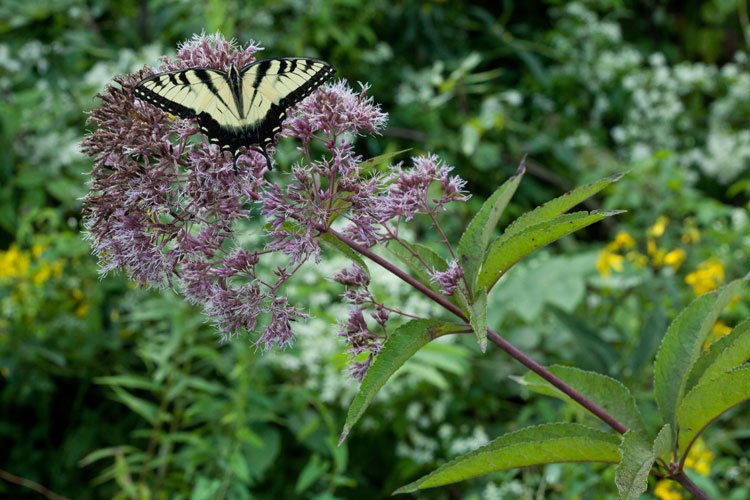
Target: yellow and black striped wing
x,y
201,93
272,86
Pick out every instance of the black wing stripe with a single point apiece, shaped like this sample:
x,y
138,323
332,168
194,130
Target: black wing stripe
x,y
205,78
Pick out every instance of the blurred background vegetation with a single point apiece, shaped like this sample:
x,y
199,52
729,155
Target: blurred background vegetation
x,y
108,391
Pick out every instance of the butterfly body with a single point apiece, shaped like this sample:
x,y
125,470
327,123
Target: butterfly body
x,y
237,108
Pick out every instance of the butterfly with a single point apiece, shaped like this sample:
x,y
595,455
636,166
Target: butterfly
x,y
238,107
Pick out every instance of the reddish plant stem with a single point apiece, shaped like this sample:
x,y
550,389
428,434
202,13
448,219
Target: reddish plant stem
x,y
493,336
27,483
689,485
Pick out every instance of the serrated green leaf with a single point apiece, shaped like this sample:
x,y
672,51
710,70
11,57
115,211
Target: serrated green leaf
x,y
724,355
631,474
476,237
559,205
705,402
664,443
478,318
606,392
400,346
330,241
544,444
405,253
504,252
682,345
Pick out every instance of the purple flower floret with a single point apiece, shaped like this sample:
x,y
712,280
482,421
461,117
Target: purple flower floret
x,y
352,276
361,339
448,279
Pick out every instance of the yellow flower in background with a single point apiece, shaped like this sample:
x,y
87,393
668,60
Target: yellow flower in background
x,y
657,254
638,259
691,235
42,274
82,309
37,250
666,490
675,258
707,277
13,262
622,241
720,329
699,458
607,261
658,228
57,267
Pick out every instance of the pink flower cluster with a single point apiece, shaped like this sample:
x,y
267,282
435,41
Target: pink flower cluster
x,y
164,204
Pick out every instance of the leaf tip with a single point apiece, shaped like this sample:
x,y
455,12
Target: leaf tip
x,y
522,166
404,489
343,437
617,176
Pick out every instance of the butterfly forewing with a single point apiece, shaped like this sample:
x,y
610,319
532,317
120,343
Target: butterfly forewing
x,y
200,93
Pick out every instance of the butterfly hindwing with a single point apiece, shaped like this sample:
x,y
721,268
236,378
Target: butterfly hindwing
x,y
272,86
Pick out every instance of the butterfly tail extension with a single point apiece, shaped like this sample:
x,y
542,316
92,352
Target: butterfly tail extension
x,y
265,155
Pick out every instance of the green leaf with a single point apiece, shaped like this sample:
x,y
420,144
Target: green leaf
x,y
559,205
682,345
331,242
380,159
400,346
506,251
664,443
205,488
132,381
462,300
123,477
655,322
705,402
631,474
239,467
544,444
101,453
559,280
314,469
478,233
598,354
146,409
478,318
606,392
724,355
405,253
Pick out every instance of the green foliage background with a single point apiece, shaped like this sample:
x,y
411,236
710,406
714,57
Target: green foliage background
x,y
111,391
